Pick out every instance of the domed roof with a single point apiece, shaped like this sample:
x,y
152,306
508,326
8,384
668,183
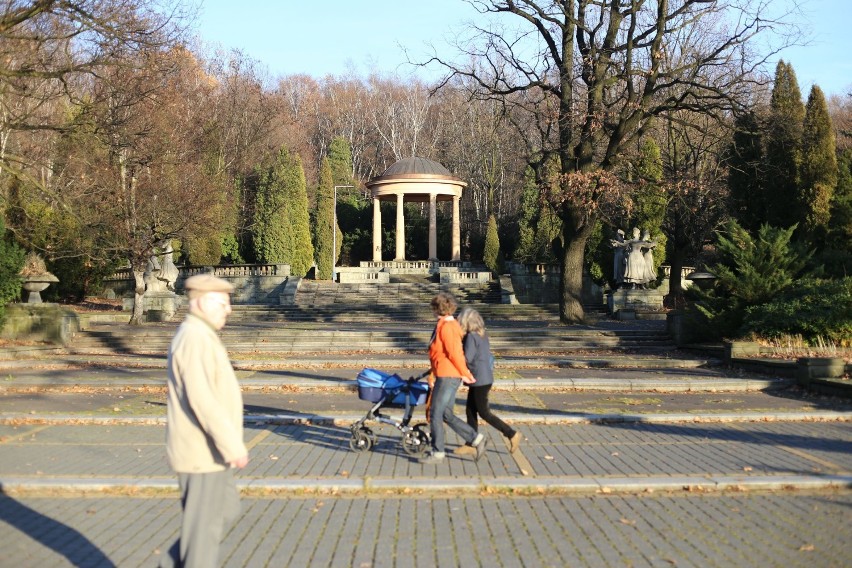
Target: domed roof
x,y
415,165
417,179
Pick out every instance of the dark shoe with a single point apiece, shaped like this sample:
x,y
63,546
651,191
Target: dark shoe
x,y
479,444
433,458
515,442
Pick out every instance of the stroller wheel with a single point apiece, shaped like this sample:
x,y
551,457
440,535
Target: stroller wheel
x,y
360,441
416,441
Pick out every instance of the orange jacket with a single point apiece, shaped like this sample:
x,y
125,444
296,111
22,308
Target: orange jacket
x,y
446,354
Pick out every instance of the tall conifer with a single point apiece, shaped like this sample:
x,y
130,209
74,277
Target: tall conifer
x,y
323,221
491,254
745,177
282,228
819,165
784,148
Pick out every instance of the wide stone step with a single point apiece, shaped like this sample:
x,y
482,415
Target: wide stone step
x,y
106,338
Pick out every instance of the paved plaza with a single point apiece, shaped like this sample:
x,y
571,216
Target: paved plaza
x,y
644,461
784,529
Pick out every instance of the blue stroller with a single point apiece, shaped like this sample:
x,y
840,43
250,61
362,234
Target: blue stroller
x,y
391,391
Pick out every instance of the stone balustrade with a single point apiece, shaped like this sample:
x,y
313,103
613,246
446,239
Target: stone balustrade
x,y
464,277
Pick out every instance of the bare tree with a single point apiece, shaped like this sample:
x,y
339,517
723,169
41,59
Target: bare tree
x,y
136,163
602,71
47,47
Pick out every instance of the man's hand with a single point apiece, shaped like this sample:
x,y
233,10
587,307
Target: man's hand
x,y
240,463
468,380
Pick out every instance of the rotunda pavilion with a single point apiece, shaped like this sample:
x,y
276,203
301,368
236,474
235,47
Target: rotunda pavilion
x,y
415,180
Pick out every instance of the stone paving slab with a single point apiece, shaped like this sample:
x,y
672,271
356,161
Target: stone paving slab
x,y
639,380
581,452
526,405
801,529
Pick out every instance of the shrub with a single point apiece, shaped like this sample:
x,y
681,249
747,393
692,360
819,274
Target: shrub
x,y
751,271
815,309
11,262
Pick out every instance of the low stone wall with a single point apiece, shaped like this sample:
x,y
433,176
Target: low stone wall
x,y
253,283
50,323
539,284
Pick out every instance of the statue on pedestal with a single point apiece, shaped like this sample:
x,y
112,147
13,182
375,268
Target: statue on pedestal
x,y
633,263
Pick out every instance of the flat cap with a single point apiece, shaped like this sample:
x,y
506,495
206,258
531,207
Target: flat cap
x,y
208,283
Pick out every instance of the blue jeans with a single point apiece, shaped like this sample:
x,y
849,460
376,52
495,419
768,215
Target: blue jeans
x,y
443,399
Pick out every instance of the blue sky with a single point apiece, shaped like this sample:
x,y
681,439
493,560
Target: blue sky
x,y
332,36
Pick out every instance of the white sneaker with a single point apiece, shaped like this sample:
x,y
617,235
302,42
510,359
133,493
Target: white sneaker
x,y
433,458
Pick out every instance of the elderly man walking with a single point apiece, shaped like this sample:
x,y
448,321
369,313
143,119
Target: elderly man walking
x,y
204,433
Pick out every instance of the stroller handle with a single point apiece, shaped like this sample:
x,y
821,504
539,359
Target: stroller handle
x,y
420,376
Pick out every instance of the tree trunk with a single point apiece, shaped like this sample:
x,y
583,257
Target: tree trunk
x,y
570,300
675,299
575,234
138,297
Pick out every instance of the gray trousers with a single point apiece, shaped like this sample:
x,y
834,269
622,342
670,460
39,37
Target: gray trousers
x,y
210,503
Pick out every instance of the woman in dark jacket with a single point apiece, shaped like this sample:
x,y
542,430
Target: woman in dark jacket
x,y
477,354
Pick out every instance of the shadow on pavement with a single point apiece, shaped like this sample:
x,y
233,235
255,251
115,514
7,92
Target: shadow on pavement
x,y
724,433
57,536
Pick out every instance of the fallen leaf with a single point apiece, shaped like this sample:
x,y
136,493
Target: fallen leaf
x,y
807,548
746,468
627,522
548,457
606,490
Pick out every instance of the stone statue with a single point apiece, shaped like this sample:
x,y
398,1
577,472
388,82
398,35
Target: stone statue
x,y
152,271
633,263
618,260
168,271
648,253
161,275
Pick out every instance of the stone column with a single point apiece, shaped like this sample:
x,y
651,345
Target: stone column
x,y
400,228
377,230
456,229
433,227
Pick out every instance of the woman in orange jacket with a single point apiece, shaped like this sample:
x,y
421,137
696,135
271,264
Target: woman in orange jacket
x,y
449,368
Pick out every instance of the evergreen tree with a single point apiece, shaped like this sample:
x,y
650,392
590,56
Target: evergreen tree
x,y
282,227
538,226
650,202
745,179
784,149
838,254
525,249
340,161
354,215
819,166
491,254
841,203
11,262
752,270
323,220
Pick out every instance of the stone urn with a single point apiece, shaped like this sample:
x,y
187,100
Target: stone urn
x,y
37,284
703,280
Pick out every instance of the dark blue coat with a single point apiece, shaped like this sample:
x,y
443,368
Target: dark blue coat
x,y
477,354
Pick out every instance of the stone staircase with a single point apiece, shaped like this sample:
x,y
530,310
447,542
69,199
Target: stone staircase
x,y
265,329
332,318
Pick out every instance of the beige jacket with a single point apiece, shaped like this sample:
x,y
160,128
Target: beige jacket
x,y
205,407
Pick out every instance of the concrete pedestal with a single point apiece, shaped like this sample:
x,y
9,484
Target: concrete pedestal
x,y
638,300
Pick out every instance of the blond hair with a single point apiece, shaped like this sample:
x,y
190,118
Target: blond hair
x,y
471,322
